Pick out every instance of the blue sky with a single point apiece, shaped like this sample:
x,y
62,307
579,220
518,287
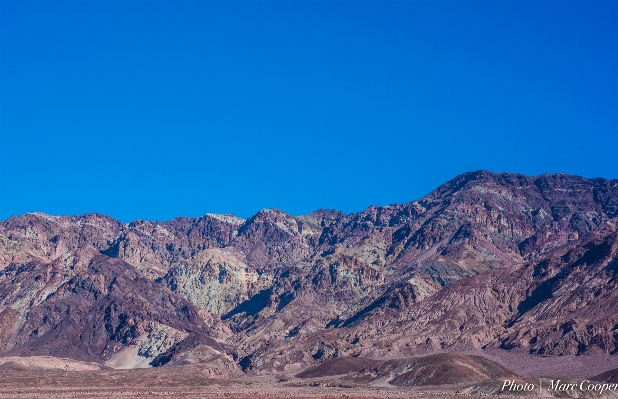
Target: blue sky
x,y
157,109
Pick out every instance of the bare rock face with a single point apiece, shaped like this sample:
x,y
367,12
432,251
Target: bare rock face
x,y
272,238
560,304
46,238
570,305
484,261
154,247
214,280
96,312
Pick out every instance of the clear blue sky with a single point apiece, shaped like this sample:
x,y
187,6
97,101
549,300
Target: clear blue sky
x,y
157,109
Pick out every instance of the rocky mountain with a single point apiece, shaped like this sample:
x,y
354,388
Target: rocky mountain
x,y
96,310
485,261
563,303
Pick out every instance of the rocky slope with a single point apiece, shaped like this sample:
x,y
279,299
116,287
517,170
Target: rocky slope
x,y
486,260
563,303
92,311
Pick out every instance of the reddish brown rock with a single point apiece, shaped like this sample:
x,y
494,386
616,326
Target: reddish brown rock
x,y
484,261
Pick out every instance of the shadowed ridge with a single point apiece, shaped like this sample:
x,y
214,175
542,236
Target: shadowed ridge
x,y
450,368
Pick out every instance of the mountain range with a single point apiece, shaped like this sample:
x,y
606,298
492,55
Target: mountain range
x,y
487,261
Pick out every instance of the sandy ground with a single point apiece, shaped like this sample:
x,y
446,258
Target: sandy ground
x,y
218,392
185,382
46,377
47,362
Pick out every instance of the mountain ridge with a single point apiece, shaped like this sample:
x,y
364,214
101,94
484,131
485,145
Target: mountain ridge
x,y
315,286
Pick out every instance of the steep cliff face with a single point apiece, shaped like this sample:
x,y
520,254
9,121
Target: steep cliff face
x,y
485,260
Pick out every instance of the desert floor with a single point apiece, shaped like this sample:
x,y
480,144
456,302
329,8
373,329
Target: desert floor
x,y
186,383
